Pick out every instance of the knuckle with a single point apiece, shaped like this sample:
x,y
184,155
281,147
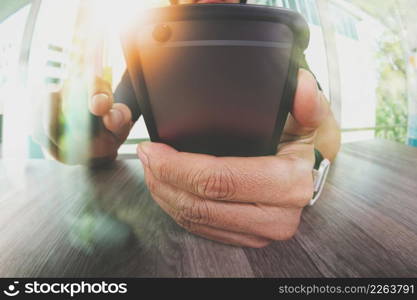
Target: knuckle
x,y
281,231
196,212
184,222
288,233
163,170
220,185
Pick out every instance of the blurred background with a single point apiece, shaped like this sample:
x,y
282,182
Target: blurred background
x,y
363,53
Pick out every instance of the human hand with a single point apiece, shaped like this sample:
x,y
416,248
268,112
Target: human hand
x,y
245,201
83,133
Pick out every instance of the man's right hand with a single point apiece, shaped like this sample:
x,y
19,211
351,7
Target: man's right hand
x,y
107,128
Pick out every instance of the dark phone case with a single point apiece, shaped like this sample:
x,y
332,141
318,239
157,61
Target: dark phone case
x,y
216,78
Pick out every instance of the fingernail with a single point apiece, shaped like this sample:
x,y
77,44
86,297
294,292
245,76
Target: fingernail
x,y
99,100
142,148
116,117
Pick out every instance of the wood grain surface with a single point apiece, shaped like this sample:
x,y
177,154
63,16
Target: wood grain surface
x,y
58,221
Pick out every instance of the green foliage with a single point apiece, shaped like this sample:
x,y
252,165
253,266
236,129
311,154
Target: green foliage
x,y
391,111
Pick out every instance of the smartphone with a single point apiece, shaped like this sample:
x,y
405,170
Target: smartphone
x,y
217,79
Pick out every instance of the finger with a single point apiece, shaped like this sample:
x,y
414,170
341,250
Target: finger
x,y
309,109
101,99
219,235
108,141
102,147
230,238
117,118
269,179
273,223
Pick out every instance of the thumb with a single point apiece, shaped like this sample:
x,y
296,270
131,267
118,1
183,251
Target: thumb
x,y
310,108
101,97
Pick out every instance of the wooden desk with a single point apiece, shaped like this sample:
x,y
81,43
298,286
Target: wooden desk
x,y
57,220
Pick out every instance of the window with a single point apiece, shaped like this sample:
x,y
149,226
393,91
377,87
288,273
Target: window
x,y
305,7
344,22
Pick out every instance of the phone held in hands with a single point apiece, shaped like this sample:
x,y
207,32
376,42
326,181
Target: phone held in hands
x,y
216,78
